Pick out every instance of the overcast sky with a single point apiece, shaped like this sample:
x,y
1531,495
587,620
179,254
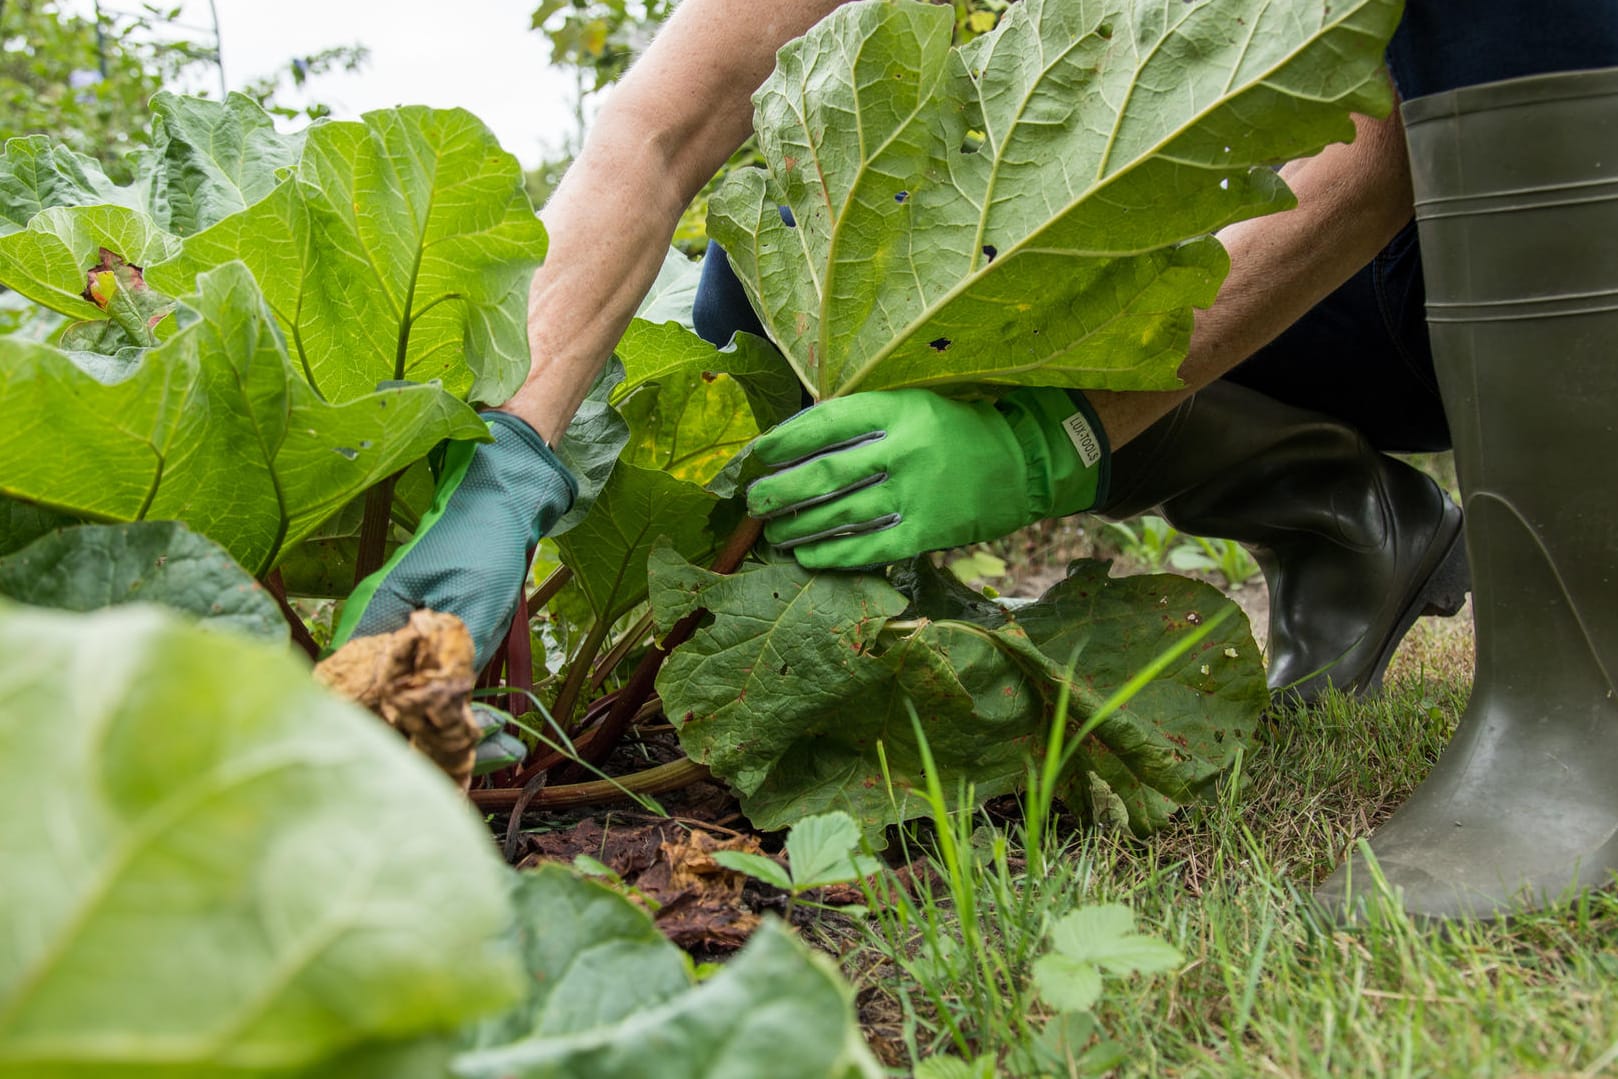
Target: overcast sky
x,y
478,54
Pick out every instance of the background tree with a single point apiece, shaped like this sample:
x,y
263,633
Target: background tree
x,y
85,80
599,39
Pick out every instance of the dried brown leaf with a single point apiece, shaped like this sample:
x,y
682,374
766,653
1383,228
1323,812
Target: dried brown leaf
x,y
419,679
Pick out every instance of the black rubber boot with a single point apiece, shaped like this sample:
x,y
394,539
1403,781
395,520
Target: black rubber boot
x,y
1517,199
1355,545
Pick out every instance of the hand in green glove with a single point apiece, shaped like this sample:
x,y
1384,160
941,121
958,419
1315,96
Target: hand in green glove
x,y
470,553
876,477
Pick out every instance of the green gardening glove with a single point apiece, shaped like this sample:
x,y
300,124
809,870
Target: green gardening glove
x,y
470,553
877,477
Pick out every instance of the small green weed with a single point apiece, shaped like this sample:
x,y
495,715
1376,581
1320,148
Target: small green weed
x,y
1148,540
1229,559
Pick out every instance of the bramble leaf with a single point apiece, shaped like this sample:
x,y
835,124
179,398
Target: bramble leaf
x,y
1032,207
1089,940
1105,935
757,866
215,868
825,849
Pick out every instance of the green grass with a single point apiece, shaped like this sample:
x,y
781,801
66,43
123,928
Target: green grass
x,y
1268,987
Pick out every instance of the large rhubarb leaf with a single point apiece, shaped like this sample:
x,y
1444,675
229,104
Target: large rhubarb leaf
x,y
798,691
95,566
51,261
607,551
401,248
215,868
591,444
208,160
214,428
1031,207
610,998
36,174
1163,745
211,159
655,353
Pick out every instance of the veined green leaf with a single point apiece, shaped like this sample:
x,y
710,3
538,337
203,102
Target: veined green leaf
x,y
654,353
426,243
674,293
1162,747
638,506
21,523
208,160
95,566
799,678
213,428
36,174
1031,207
211,159
50,260
611,999
215,868
591,444
690,425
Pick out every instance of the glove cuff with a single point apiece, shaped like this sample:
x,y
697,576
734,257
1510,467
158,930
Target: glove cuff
x,y
1065,450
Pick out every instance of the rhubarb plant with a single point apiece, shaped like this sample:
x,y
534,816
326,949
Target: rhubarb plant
x,y
268,332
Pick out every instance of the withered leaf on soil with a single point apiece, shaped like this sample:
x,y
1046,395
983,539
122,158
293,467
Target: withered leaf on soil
x,y
670,870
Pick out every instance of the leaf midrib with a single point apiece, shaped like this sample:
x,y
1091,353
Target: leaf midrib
x,y
1027,242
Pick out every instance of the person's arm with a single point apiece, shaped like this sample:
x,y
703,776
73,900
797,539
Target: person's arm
x,y
1352,199
882,476
666,129
681,111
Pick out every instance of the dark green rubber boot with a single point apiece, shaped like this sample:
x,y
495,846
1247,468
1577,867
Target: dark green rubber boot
x,y
1517,202
1355,545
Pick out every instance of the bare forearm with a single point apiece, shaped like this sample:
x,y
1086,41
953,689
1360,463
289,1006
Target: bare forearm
x,y
679,114
1352,199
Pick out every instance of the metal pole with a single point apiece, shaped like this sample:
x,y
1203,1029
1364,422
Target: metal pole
x,y
101,43
218,48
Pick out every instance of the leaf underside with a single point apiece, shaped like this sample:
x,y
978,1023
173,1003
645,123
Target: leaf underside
x,y
1033,207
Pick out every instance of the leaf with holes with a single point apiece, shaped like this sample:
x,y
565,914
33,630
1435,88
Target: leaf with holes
x,y
1032,207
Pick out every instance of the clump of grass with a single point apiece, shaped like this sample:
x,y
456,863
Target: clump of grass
x,y
1269,986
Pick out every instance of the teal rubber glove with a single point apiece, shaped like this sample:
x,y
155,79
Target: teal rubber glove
x,y
877,477
469,555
